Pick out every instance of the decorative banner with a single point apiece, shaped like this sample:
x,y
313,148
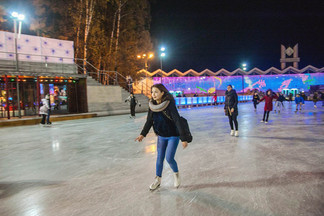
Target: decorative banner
x,y
277,83
36,49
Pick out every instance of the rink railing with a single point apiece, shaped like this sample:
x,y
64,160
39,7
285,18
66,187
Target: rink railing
x,y
207,100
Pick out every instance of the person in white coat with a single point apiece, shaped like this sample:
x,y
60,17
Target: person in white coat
x,y
44,109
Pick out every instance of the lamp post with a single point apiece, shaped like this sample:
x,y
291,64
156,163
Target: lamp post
x,y
20,17
244,67
162,55
145,57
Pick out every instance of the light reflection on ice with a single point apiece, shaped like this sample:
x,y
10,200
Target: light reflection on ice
x,y
55,145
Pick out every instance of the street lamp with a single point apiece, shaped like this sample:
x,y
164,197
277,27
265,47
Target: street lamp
x,y
244,66
20,17
145,57
162,55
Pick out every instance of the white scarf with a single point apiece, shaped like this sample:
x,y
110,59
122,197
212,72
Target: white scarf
x,y
159,107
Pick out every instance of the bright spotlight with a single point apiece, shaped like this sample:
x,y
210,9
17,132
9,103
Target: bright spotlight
x,y
21,16
244,65
162,49
14,14
244,68
151,56
162,54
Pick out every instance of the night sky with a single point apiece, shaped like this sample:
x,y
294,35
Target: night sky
x,y
217,34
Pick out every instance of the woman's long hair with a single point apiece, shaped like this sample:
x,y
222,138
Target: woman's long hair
x,y
271,92
166,95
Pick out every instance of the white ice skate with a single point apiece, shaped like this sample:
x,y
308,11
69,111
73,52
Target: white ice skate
x,y
177,180
261,121
236,133
315,106
156,184
232,133
266,122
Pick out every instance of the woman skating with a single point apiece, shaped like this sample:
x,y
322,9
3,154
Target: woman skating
x,y
231,110
268,104
166,121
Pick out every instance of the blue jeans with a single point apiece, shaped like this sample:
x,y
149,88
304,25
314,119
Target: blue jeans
x,y
166,147
48,116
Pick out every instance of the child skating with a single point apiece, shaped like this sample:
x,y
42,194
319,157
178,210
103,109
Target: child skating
x,y
299,102
279,103
255,100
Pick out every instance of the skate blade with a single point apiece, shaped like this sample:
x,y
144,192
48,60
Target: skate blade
x,y
155,188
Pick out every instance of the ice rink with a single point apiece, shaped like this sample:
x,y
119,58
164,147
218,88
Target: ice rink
x,y
93,166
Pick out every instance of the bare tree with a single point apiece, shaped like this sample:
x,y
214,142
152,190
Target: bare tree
x,y
112,34
119,10
89,14
79,28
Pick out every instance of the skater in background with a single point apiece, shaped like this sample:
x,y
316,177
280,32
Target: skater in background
x,y
290,97
299,102
268,104
165,119
215,99
279,103
231,101
303,95
255,100
315,99
132,102
129,83
49,110
322,98
44,110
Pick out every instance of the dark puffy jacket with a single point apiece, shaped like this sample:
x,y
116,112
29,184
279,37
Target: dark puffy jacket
x,y
163,125
281,98
231,101
256,98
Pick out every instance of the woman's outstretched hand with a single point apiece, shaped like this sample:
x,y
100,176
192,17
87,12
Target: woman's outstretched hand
x,y
139,138
184,144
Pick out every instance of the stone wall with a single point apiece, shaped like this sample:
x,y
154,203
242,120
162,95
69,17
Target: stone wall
x,y
110,100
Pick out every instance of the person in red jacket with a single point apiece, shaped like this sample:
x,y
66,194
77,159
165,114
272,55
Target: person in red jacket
x,y
215,98
268,104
